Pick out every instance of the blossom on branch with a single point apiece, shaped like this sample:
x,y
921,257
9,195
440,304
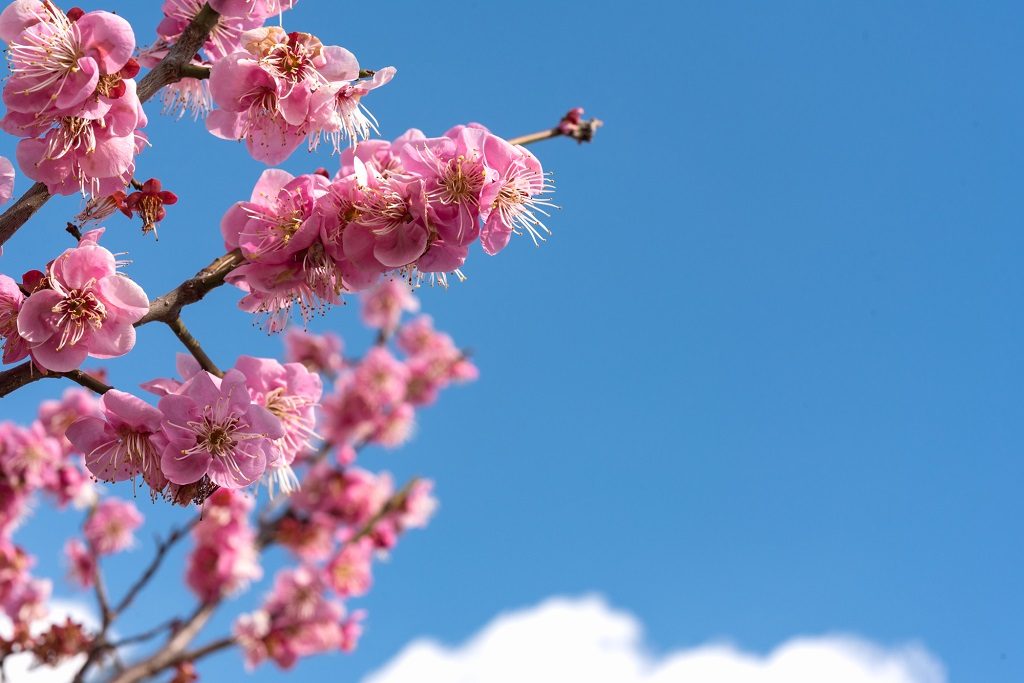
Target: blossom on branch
x,y
82,307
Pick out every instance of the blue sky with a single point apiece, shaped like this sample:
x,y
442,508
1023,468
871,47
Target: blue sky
x,y
763,381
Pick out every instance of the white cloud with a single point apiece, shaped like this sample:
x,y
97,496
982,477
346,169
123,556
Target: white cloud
x,y
21,669
564,640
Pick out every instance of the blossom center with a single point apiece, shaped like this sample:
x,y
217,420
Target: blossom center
x,y
79,310
73,133
461,182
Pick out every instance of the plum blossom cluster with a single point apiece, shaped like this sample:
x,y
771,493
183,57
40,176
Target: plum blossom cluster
x,y
210,439
340,521
71,96
225,558
236,17
81,305
395,215
38,460
272,89
410,208
259,421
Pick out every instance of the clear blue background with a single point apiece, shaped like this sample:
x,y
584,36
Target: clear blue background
x,y
764,380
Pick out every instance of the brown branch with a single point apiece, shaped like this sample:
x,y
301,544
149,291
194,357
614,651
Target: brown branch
x,y
584,132
170,70
27,373
200,73
208,649
173,67
172,652
193,346
87,381
166,308
162,548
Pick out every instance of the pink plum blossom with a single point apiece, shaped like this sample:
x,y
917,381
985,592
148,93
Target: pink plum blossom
x,y
59,62
75,153
214,429
225,558
89,309
319,352
384,304
118,445
511,204
81,563
11,300
290,393
110,528
295,621
283,88
6,179
349,573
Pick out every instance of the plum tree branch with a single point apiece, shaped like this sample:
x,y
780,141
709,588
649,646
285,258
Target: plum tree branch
x,y
193,346
171,69
583,132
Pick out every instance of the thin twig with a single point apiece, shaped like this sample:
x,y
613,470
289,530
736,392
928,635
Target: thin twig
x,y
145,635
87,381
193,346
169,654
162,548
167,307
584,132
208,649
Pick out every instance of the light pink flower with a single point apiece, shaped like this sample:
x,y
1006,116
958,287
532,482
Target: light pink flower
x,y
225,558
395,212
351,496
310,539
72,152
352,630
349,118
395,427
57,416
381,377
513,202
290,393
296,621
118,445
89,309
456,177
6,179
214,429
29,457
256,8
319,352
59,63
349,573
81,563
11,300
271,94
419,505
111,526
384,304
278,221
